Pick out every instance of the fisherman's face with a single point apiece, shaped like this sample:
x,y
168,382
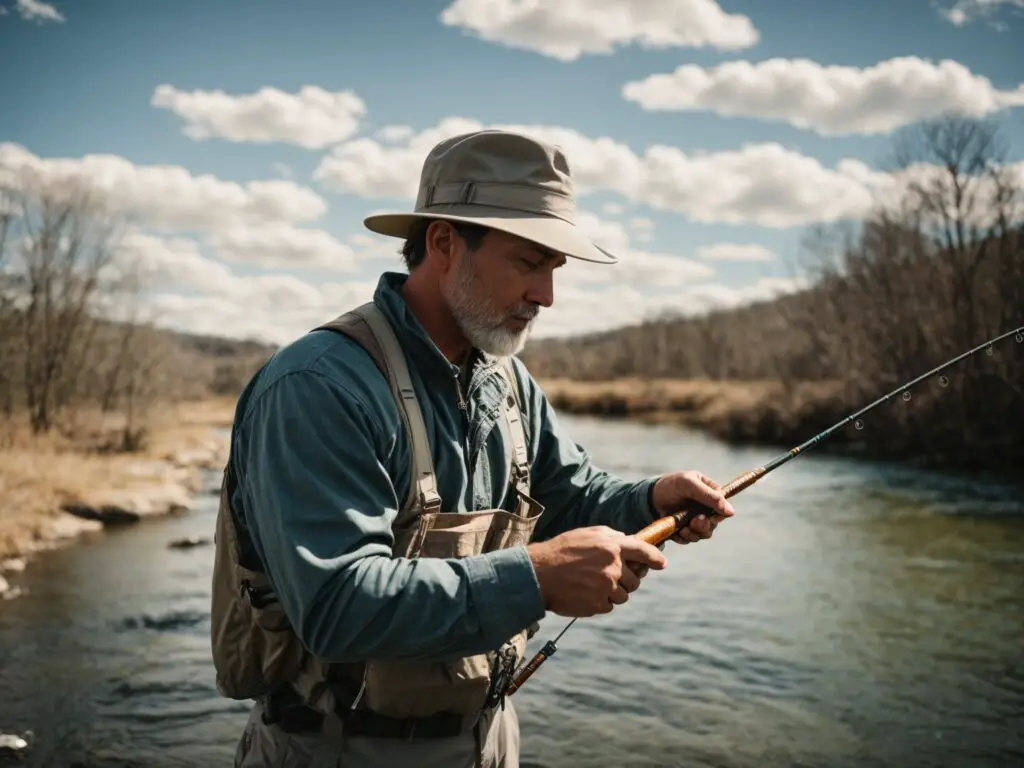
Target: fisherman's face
x,y
496,292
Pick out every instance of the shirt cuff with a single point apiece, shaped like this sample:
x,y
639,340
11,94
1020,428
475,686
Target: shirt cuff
x,y
506,592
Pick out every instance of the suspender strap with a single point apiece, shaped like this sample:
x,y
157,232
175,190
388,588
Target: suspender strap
x,y
514,419
424,483
383,347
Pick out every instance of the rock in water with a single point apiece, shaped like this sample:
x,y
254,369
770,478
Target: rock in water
x,y
12,745
188,542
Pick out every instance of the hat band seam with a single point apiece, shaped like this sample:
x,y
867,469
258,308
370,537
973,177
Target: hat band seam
x,y
520,197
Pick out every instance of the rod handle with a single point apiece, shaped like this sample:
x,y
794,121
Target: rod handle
x,y
666,527
524,674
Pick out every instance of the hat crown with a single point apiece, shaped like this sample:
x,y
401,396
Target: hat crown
x,y
494,159
502,180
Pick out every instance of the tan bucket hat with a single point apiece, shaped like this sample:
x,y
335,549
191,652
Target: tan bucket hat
x,y
502,180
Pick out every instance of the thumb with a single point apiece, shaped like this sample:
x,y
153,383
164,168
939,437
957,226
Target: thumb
x,y
639,551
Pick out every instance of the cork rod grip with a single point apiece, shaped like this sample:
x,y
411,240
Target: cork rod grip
x,y
525,673
666,527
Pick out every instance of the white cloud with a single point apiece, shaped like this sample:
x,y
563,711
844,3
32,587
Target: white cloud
x,y
313,118
735,252
832,100
166,197
585,309
966,11
568,29
187,290
282,245
33,10
637,268
980,203
642,228
273,308
765,184
394,133
172,263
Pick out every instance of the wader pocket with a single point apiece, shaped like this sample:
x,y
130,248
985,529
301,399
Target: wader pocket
x,y
415,688
254,647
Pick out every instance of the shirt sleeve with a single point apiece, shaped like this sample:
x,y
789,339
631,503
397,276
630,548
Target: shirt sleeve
x,y
319,504
575,492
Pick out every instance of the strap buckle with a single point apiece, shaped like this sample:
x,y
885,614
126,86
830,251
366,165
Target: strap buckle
x,y
502,671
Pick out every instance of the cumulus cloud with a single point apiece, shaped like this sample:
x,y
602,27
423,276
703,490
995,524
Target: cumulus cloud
x,y
189,290
274,308
832,100
171,263
637,267
33,10
965,11
167,197
281,245
587,309
312,118
594,297
735,252
764,184
568,29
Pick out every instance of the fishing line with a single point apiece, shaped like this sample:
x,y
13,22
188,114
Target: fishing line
x,y
666,527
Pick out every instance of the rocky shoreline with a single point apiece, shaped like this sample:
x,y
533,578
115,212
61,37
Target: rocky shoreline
x,y
143,489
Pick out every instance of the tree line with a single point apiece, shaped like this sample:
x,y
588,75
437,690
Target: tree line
x,y
925,276
76,334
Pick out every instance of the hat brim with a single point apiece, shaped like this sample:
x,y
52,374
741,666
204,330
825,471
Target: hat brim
x,y
552,233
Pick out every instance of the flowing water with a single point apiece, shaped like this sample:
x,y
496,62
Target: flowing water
x,y
852,614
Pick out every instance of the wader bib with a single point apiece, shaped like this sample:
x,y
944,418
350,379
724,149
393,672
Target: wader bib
x,y
258,656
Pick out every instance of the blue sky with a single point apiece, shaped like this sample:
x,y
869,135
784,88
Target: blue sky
x,y
79,79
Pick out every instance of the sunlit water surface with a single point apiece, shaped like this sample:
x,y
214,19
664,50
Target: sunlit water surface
x,y
852,614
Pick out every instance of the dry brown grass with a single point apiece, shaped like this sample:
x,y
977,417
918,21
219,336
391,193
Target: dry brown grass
x,y
737,410
40,473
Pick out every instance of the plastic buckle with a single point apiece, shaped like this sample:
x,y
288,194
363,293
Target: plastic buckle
x,y
501,676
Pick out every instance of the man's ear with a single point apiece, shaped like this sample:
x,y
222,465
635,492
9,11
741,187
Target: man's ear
x,y
442,244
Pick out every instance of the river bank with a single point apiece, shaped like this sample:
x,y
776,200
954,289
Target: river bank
x,y
735,411
61,486
926,433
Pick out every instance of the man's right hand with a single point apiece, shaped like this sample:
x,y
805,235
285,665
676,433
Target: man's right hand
x,y
587,571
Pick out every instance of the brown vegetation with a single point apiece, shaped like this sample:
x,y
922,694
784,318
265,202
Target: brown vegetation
x,y
89,391
926,277
41,474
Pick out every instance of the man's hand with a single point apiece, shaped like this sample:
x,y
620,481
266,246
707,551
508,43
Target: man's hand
x,y
587,571
671,493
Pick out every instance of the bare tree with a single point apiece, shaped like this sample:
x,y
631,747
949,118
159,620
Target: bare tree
x,y
58,243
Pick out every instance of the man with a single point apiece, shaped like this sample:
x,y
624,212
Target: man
x,y
413,530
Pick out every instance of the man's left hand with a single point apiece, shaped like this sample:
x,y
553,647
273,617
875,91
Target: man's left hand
x,y
671,493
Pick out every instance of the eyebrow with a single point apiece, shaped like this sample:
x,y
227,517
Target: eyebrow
x,y
547,254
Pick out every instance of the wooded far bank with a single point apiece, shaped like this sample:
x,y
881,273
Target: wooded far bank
x,y
916,283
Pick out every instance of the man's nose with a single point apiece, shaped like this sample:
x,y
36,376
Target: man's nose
x,y
542,290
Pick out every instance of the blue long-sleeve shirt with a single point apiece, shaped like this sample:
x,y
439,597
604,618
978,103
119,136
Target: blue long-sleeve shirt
x,y
322,464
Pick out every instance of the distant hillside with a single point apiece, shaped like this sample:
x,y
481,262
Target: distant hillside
x,y
218,346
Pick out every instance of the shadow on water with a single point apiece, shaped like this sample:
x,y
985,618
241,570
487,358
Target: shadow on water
x,y
851,614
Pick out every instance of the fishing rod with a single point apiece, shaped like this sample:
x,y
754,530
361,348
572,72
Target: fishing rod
x,y
666,527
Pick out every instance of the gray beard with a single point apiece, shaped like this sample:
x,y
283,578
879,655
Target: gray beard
x,y
478,320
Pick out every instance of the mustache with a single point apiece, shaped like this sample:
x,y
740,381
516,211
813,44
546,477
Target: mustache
x,y
525,311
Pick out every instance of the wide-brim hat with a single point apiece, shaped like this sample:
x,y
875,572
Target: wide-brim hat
x,y
502,180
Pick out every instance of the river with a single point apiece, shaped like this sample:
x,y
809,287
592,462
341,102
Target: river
x,y
851,614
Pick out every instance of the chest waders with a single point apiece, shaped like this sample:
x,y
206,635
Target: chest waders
x,y
256,653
